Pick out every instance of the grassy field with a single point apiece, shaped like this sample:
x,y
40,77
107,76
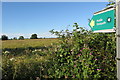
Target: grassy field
x,y
25,58
27,43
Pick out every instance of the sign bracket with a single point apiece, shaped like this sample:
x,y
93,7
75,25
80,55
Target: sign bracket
x,y
117,58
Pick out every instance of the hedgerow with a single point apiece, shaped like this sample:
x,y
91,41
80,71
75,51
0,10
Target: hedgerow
x,y
79,54
85,55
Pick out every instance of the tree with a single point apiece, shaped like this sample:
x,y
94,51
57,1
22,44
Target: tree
x,y
15,38
33,36
21,38
111,2
4,37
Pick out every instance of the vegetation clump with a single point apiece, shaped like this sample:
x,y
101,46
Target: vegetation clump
x,y
79,54
4,37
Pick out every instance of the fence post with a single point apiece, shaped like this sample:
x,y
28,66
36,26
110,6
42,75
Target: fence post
x,y
118,37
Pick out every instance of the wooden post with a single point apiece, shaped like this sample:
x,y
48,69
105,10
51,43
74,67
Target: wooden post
x,y
118,37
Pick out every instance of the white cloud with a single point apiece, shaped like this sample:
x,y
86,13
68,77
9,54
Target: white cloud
x,y
46,35
11,35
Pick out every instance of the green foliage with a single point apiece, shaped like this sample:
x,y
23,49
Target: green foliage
x,y
15,38
21,38
111,2
4,37
24,67
33,36
84,55
79,54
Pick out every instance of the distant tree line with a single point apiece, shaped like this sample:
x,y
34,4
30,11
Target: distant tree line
x,y
33,36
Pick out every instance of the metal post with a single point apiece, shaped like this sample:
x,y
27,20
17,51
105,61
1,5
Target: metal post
x,y
118,37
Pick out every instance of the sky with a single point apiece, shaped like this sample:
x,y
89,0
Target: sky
x,y
26,18
56,0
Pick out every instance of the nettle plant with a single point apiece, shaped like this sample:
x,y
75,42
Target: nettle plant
x,y
83,54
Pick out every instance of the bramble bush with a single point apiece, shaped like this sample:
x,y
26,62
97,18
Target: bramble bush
x,y
84,55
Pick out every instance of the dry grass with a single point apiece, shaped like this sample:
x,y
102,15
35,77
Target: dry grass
x,y
27,43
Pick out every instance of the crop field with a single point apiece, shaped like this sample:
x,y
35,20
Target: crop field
x,y
11,44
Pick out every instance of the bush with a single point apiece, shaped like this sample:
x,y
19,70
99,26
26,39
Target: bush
x,y
84,55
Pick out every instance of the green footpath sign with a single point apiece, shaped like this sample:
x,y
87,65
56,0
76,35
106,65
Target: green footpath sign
x,y
103,21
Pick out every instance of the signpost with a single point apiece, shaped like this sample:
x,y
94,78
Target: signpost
x,y
118,37
103,21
